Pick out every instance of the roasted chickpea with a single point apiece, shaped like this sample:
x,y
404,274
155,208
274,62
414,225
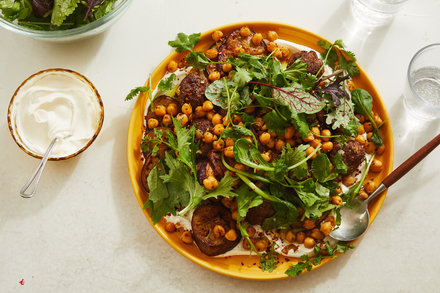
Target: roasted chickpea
x,y
246,244
231,235
368,126
361,118
348,180
315,130
272,35
315,143
208,137
217,35
217,119
362,195
186,237
309,224
290,236
309,137
326,228
326,132
182,118
210,183
280,144
370,147
218,231
229,151
170,227
210,115
245,31
327,146
239,49
377,119
251,231
376,166
271,46
309,242
300,236
261,245
213,76
380,150
172,109
361,129
229,142
285,52
160,110
309,151
187,109
166,120
361,139
257,38
370,186
211,53
317,234
337,200
152,123
289,132
249,110
218,129
266,156
264,138
271,143
207,106
172,66
227,67
218,145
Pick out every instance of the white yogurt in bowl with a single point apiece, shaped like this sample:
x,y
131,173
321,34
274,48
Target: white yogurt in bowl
x,y
55,103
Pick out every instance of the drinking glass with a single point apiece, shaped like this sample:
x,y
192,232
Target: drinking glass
x,y
376,13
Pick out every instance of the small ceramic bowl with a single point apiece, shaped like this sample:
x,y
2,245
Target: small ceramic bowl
x,y
15,113
73,34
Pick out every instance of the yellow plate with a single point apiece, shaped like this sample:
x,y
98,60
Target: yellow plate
x,y
243,267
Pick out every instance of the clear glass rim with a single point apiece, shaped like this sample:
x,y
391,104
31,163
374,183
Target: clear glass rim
x,y
408,74
68,32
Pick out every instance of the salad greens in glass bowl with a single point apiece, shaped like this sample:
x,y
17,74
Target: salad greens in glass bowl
x,y
59,20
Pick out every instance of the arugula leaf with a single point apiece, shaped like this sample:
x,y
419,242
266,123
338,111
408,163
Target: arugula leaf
x,y
363,104
12,10
62,9
216,92
134,92
268,261
283,217
236,132
104,8
300,122
335,57
247,154
296,270
184,42
291,157
338,164
321,168
197,59
354,189
162,196
167,84
275,122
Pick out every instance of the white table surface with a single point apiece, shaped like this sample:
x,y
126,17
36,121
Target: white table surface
x,y
85,232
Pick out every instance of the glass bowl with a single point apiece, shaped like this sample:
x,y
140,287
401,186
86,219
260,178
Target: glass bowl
x,y
81,32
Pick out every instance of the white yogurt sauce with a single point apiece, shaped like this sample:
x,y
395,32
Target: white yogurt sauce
x,y
185,221
55,104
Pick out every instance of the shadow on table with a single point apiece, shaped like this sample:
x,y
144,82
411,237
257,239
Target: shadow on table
x,y
357,37
410,134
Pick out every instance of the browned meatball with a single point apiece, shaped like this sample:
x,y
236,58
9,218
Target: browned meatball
x,y
192,89
257,215
203,124
309,57
353,155
204,219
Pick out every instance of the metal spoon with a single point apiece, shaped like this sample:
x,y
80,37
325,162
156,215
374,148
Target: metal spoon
x,y
37,173
355,220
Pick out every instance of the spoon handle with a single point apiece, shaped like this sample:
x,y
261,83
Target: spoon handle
x,y
411,162
35,178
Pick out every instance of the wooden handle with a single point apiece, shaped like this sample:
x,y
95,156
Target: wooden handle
x,y
411,162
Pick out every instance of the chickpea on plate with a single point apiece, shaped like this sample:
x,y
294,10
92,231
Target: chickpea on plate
x,y
253,145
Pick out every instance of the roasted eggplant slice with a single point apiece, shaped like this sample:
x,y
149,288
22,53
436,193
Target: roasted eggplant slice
x,y
149,164
235,43
192,89
204,219
257,215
